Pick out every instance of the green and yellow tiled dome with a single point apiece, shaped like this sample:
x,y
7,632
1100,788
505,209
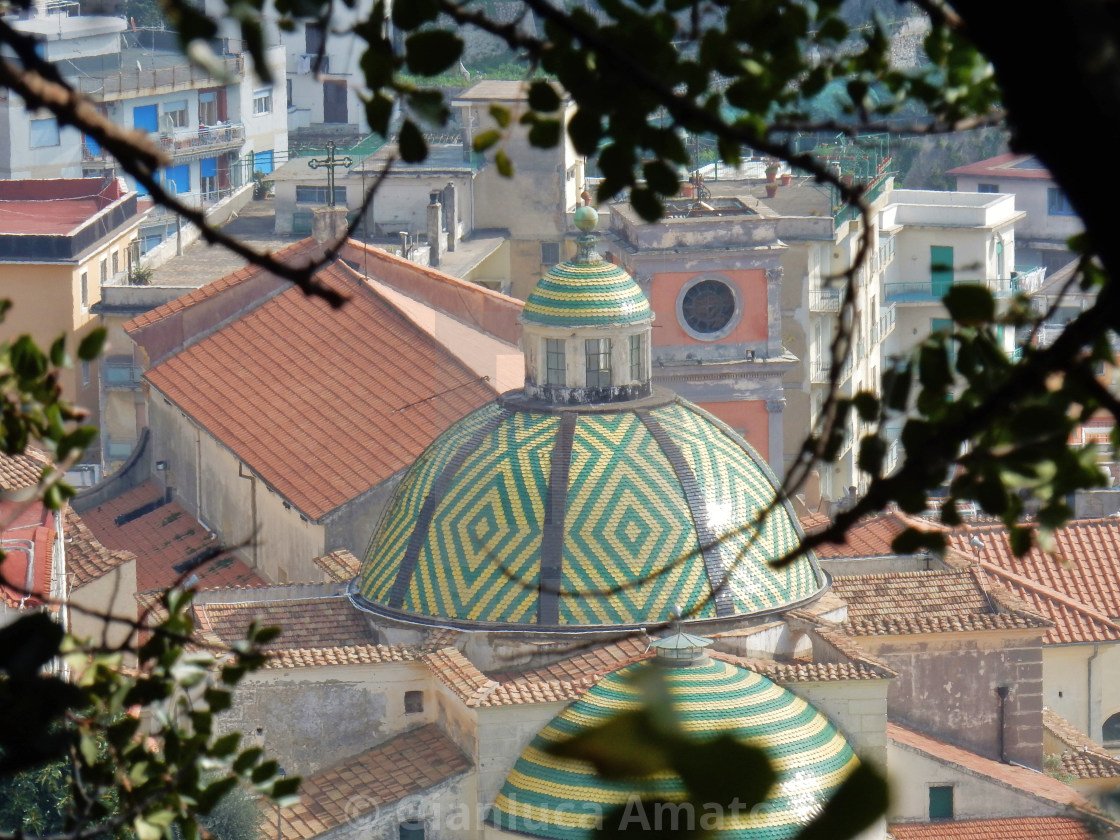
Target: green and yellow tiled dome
x,y
586,294
561,799
535,517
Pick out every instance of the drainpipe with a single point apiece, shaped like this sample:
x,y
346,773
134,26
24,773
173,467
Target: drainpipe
x,y
1002,692
1089,693
252,505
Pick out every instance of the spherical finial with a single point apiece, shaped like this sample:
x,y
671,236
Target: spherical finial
x,y
586,218
676,612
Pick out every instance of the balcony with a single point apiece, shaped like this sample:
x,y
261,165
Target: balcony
x,y
179,76
885,325
926,291
825,300
820,369
209,139
1028,280
120,373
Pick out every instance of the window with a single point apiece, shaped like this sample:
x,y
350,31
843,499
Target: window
x,y
314,37
413,702
940,270
411,830
85,290
550,253
263,162
1110,732
104,268
208,107
262,101
637,360
175,114
941,802
208,176
598,353
116,257
85,373
554,368
1057,204
318,195
987,188
708,307
44,133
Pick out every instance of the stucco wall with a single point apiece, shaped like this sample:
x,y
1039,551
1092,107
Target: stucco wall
x,y
1068,689
314,717
111,593
946,687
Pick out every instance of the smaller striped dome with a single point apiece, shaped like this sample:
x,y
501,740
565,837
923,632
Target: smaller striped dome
x,y
586,294
556,798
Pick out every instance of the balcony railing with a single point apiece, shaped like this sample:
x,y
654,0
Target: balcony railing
x,y
886,323
1028,280
118,374
932,291
178,77
820,369
214,138
825,300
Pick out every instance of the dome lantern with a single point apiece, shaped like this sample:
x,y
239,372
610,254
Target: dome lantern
x,y
586,328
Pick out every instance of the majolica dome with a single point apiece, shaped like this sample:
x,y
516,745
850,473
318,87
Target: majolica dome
x,y
531,516
561,799
581,294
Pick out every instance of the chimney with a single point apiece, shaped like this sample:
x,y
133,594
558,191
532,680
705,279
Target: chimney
x,y
452,223
328,224
434,208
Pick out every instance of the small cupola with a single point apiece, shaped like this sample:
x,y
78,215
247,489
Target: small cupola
x,y
586,329
680,649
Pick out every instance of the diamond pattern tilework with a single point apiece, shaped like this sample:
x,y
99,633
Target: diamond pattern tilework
x,y
736,485
543,795
576,294
631,551
391,539
483,553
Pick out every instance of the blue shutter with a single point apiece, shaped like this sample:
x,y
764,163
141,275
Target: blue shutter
x,y
146,118
262,162
208,167
178,178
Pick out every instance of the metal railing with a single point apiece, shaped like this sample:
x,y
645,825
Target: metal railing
x,y
885,325
121,374
177,77
212,137
825,299
1028,280
821,368
932,291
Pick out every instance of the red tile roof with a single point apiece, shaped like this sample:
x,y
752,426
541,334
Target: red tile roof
x,y
894,603
165,537
339,565
27,569
341,655
1005,166
1085,565
322,404
871,537
86,558
1013,776
330,621
1013,828
56,206
18,472
360,785
1081,757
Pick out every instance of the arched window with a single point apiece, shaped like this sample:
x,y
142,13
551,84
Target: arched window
x,y
1110,732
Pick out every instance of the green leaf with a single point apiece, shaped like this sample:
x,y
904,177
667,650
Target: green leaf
x,y
545,134
746,773
411,143
970,304
911,541
486,139
660,177
500,114
505,166
646,204
543,97
432,51
625,746
409,15
91,346
226,745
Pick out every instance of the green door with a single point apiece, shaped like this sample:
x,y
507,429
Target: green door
x,y
940,270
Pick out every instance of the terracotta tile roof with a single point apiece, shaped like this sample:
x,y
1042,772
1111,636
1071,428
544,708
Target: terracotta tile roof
x,y
1081,756
162,538
872,537
404,765
18,472
1005,166
796,672
460,675
27,568
325,622
86,558
325,411
1085,566
341,655
340,565
583,662
1013,776
1013,828
929,602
